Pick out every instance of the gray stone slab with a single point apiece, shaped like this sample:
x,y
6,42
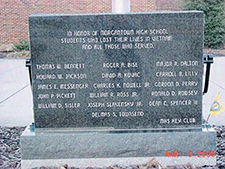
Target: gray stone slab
x,y
117,71
78,145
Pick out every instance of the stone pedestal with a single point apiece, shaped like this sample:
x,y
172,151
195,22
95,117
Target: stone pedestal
x,y
106,148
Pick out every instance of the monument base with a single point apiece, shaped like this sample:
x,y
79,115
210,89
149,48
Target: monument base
x,y
103,149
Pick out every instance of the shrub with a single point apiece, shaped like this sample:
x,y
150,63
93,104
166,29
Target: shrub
x,y
22,45
214,30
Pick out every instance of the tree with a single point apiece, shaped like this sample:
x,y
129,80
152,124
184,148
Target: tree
x,y
214,30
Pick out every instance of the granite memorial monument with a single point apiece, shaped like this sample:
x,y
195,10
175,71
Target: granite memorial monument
x,y
119,86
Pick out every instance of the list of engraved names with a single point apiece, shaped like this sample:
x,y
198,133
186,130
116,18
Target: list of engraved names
x,y
117,90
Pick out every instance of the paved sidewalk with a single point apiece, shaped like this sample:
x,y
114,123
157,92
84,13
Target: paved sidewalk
x,y
15,93
216,85
16,98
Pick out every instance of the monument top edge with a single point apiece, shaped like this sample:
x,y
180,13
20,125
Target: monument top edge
x,y
130,13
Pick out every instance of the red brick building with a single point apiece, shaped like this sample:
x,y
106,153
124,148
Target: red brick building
x,y
14,13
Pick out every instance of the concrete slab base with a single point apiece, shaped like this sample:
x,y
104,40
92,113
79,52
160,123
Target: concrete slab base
x,y
106,162
103,149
